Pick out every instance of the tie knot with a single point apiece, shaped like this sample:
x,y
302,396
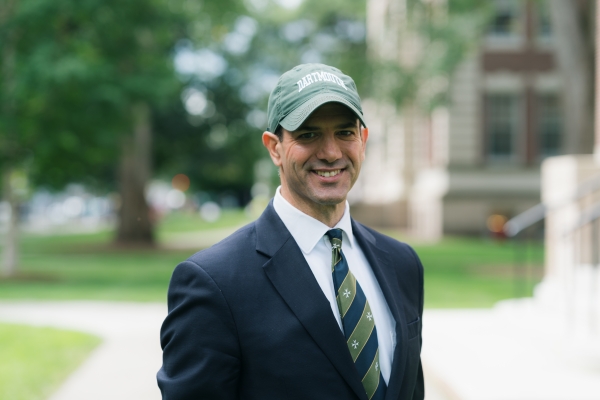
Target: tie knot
x,y
334,234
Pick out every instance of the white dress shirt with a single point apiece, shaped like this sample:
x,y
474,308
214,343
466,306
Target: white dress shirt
x,y
309,234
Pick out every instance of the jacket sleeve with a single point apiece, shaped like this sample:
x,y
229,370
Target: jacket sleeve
x,y
201,355
419,392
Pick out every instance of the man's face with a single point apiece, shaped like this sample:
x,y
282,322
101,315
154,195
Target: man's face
x,y
321,160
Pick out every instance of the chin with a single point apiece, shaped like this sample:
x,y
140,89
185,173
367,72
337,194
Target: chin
x,y
330,200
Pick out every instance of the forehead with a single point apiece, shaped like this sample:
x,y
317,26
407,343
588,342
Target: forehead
x,y
331,112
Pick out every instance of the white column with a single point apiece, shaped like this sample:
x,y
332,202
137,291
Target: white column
x,y
597,105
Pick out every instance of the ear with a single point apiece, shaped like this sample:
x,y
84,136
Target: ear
x,y
272,143
364,133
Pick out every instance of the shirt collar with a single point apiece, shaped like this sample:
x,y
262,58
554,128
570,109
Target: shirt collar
x,y
306,230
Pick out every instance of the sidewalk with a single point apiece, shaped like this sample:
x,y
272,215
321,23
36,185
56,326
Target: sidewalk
x,y
124,365
510,352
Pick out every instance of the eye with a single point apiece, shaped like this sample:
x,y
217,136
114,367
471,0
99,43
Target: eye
x,y
307,135
345,133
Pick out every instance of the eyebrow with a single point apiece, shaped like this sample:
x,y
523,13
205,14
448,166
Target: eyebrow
x,y
316,128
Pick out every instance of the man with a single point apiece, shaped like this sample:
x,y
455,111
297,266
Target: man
x,y
305,303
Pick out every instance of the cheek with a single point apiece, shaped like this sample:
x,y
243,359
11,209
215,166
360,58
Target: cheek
x,y
356,153
296,156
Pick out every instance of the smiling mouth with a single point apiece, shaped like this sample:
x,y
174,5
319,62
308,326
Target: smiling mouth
x,y
328,174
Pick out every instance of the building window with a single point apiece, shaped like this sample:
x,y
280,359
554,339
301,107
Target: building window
x,y
502,124
544,27
506,19
549,125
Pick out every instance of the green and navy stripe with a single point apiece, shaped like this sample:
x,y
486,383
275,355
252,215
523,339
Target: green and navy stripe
x,y
357,320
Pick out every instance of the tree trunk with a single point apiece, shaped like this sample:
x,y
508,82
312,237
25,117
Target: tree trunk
x,y
135,226
575,61
10,251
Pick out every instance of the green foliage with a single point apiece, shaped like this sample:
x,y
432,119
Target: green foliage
x,y
36,360
277,39
332,32
217,153
75,71
444,36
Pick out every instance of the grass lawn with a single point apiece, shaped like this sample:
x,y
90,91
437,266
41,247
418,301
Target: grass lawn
x,y
468,272
188,222
35,361
459,272
86,266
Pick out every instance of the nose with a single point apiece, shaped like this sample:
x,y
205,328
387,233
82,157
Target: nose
x,y
329,149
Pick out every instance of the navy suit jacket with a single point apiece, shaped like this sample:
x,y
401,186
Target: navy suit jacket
x,y
248,320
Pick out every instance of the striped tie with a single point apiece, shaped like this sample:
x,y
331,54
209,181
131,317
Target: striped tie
x,y
357,320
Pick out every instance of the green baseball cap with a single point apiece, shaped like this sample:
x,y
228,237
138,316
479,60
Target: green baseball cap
x,y
306,87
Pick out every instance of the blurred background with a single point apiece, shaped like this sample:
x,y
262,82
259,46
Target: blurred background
x,y
130,138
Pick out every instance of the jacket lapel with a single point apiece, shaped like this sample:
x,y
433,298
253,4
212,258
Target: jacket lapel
x,y
385,273
292,278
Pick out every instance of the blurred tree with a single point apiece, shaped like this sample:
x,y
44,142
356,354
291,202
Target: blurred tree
x,y
101,78
78,79
417,45
11,120
217,154
206,135
332,32
215,131
132,42
128,55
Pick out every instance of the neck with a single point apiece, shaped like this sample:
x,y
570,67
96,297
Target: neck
x,y
329,214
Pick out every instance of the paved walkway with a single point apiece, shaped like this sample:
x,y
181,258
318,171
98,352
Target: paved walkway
x,y
124,366
506,353
515,351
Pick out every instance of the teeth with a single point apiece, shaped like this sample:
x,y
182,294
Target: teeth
x,y
327,174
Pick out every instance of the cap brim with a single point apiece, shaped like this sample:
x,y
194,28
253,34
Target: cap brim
x,y
294,119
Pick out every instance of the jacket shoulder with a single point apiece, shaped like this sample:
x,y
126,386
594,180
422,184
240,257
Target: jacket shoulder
x,y
238,246
389,244
407,264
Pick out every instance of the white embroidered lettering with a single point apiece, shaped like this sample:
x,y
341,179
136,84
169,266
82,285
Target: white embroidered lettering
x,y
340,82
319,76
